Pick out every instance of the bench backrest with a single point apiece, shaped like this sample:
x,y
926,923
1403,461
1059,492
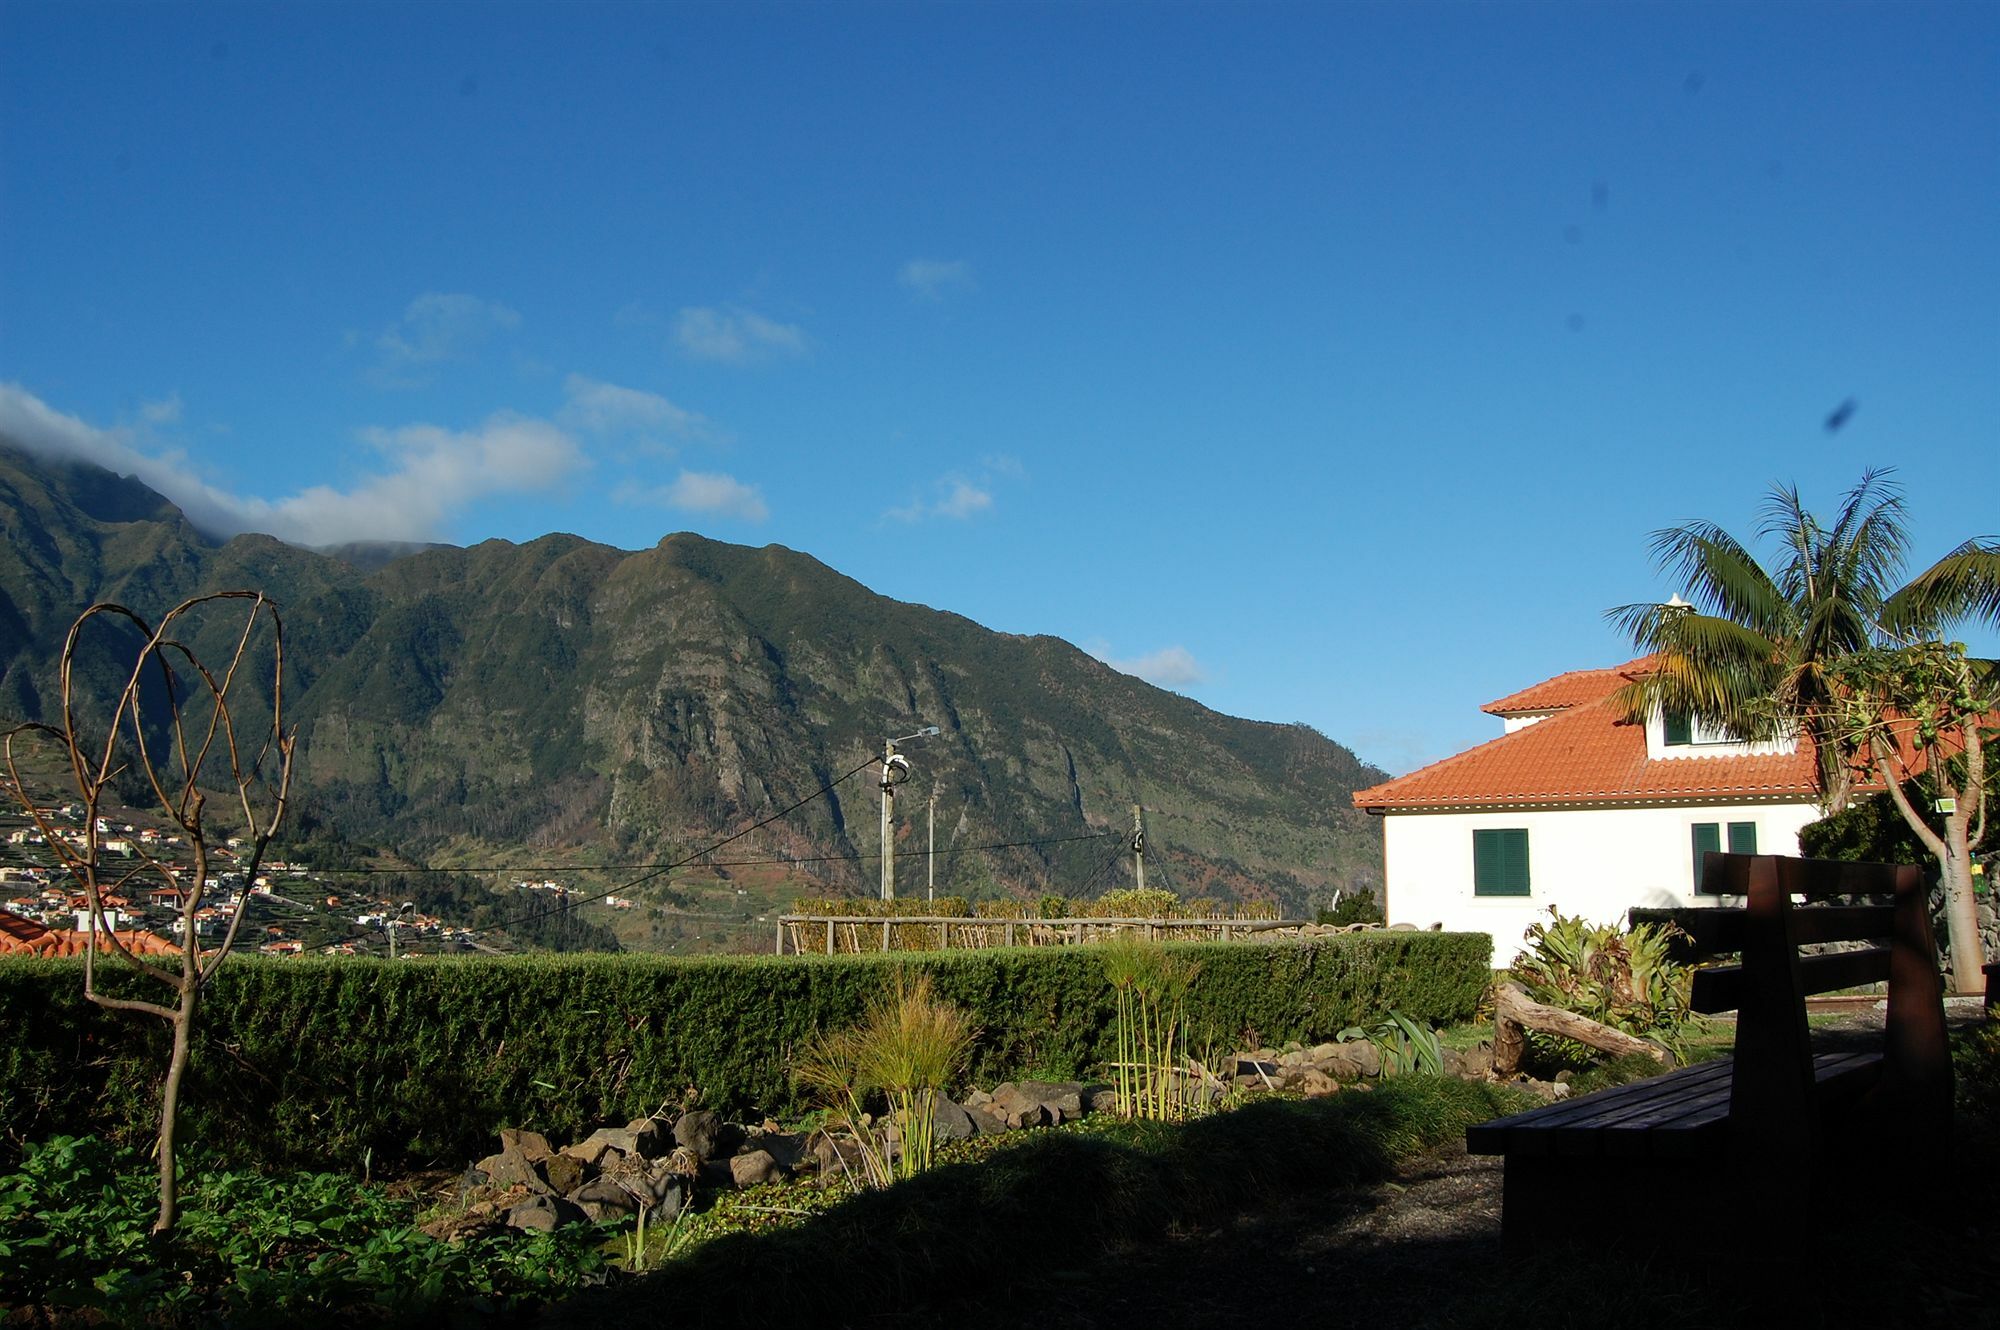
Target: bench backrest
x,y
1886,905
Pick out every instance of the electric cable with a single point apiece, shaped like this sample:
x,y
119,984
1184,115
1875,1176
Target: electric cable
x,y
568,905
718,863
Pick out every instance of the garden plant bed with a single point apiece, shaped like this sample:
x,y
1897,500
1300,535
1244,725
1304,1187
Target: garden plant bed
x,y
1357,1205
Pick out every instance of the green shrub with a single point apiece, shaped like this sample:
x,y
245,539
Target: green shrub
x,y
1626,979
1356,907
1975,1057
318,1062
1406,1047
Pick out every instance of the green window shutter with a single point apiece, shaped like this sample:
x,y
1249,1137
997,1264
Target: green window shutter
x,y
1679,729
1500,862
1707,839
1743,838
1485,862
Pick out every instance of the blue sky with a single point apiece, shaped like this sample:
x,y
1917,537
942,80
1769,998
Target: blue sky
x,y
1326,363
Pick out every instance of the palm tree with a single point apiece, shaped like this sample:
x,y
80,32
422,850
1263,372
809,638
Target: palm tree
x,y
1753,654
1764,652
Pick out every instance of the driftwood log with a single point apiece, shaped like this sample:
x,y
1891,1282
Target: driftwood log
x,y
1515,1013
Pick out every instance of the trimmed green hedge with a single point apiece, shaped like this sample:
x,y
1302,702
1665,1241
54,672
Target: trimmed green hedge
x,y
318,1062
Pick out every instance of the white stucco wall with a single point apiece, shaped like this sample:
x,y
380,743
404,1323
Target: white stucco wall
x,y
1594,862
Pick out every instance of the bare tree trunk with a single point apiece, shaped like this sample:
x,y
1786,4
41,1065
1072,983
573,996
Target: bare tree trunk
x,y
1961,917
1953,851
170,1100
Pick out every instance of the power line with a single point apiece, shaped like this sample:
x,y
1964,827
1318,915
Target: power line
x,y
568,905
716,863
1091,881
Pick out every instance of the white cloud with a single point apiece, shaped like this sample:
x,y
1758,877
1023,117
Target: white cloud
x,y
933,279
963,500
707,492
735,336
606,408
1169,667
166,411
436,327
430,474
958,497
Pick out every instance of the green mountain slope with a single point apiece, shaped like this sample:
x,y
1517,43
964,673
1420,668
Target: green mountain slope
x,y
565,695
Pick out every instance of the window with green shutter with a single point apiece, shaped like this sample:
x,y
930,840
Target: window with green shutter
x,y
1500,862
1707,839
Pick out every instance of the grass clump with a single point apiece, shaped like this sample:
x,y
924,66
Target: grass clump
x,y
907,1049
1150,987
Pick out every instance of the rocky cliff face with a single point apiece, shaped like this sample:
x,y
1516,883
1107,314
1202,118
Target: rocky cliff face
x,y
563,693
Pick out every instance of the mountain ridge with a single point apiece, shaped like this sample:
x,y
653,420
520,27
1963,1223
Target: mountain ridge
x,y
567,694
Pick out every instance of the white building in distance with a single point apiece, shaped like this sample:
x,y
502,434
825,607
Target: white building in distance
x,y
1575,807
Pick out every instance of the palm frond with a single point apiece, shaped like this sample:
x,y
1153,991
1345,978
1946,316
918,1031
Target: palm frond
x,y
1705,665
1871,521
1964,584
1720,575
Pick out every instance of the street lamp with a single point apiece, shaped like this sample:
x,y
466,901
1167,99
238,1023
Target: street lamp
x,y
395,922
895,770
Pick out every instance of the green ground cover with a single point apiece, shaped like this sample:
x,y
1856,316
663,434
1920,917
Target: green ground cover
x,y
74,1223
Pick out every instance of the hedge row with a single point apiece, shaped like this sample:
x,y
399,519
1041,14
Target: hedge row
x,y
322,1062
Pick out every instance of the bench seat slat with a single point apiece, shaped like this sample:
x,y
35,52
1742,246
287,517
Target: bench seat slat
x,y
1724,988
1814,879
1718,930
1676,1115
1503,1134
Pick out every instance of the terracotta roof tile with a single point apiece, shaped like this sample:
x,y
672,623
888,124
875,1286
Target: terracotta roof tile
x,y
68,942
1586,754
1570,689
15,928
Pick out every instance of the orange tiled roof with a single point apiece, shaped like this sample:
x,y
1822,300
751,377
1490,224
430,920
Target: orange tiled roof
x,y
1570,689
69,942
14,928
1586,754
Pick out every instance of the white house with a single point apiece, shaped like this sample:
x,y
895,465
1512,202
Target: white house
x,y
1576,807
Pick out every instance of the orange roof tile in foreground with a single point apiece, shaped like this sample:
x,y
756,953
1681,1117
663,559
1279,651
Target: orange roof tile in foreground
x,y
15,928
1586,754
68,942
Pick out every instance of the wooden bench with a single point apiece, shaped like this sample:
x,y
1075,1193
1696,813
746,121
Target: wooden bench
x,y
1774,1130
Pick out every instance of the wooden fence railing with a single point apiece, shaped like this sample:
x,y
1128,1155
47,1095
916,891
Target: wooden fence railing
x,y
830,933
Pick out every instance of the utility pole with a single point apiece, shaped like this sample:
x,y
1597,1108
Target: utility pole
x,y
1138,848
889,761
895,770
930,851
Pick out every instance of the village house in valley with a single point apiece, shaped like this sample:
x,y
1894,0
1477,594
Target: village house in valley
x,y
1575,807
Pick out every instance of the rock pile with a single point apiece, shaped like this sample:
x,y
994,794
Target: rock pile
x,y
647,1166
614,1173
